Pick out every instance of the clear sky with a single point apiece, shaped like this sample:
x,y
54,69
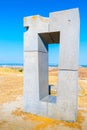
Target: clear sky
x,y
11,26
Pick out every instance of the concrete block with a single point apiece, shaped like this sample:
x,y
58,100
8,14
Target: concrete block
x,y
30,41
52,111
61,19
68,25
35,82
35,24
43,109
49,99
50,37
67,99
42,45
43,74
31,89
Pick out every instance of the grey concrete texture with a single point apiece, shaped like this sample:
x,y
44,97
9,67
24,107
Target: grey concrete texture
x,y
31,89
61,27
67,99
35,24
43,74
68,24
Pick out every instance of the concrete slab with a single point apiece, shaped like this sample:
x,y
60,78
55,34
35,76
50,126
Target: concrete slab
x,y
50,37
35,24
68,24
67,99
43,74
31,89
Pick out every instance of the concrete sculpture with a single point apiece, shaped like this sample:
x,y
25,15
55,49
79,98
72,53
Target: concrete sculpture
x,y
61,27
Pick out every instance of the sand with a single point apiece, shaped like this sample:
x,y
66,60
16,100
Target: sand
x,y
12,116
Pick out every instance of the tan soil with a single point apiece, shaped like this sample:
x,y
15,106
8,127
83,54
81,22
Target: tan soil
x,y
12,116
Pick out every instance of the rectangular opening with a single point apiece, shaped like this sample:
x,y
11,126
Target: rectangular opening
x,y
49,43
53,58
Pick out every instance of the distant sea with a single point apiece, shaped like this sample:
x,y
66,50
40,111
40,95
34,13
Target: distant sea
x,y
21,65
11,65
85,66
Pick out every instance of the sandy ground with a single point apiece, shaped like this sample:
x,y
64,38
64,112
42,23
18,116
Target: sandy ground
x,y
12,116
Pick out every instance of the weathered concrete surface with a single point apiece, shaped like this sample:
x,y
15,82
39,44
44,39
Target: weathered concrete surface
x,y
67,100
67,22
35,24
61,27
31,90
43,74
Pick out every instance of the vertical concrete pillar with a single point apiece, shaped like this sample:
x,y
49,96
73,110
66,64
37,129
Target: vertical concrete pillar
x,y
68,25
43,68
35,63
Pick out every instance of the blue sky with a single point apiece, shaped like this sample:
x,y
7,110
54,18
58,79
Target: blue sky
x,y
11,26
